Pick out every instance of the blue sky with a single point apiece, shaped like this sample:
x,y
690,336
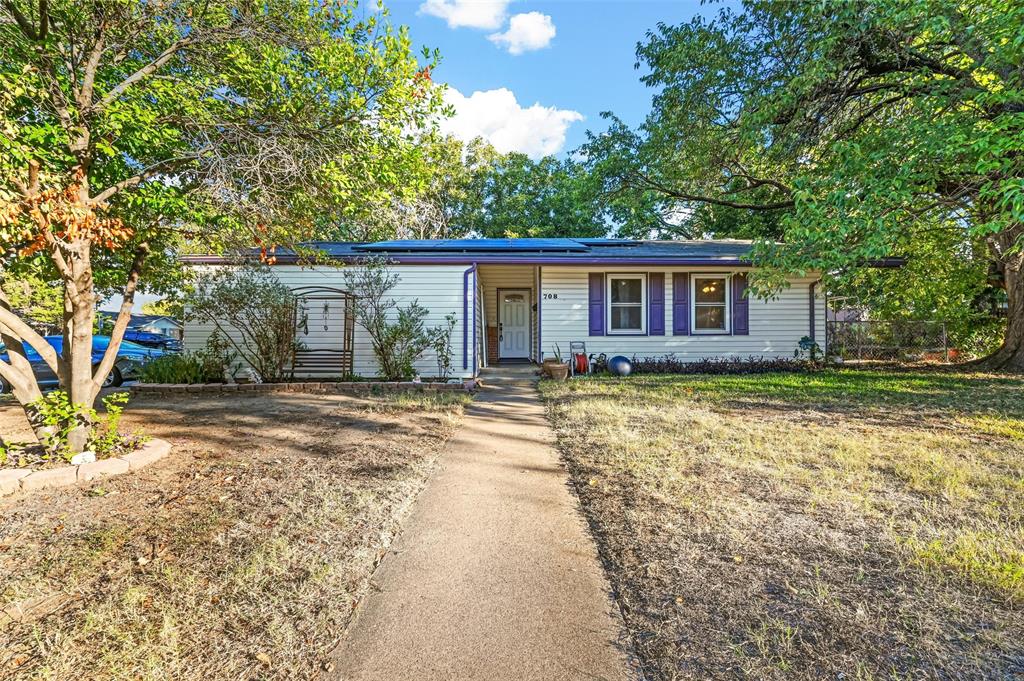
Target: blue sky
x,y
573,58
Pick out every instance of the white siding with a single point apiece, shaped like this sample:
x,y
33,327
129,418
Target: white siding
x,y
776,326
439,288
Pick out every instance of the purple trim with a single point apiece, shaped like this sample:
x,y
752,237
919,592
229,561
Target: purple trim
x,y
595,304
656,304
740,305
680,303
540,297
504,260
465,318
476,292
810,297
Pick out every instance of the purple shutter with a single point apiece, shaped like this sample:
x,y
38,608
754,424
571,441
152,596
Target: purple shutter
x,y
680,304
656,304
740,306
596,304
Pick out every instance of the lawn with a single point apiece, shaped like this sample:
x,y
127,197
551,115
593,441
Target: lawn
x,y
842,524
240,556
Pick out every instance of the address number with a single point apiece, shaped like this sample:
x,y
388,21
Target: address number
x,y
550,296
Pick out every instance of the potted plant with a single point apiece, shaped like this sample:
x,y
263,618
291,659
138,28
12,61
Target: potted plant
x,y
556,368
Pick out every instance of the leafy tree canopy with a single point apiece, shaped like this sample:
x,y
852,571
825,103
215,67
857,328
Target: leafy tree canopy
x,y
853,125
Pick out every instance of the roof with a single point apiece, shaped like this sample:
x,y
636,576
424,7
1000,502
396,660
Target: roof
x,y
138,320
729,252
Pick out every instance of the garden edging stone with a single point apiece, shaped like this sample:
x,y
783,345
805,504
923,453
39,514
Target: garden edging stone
x,y
13,480
324,387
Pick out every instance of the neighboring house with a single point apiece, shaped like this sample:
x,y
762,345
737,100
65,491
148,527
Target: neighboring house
x,y
150,323
516,299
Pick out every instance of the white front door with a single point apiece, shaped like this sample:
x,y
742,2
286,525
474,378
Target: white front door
x,y
514,324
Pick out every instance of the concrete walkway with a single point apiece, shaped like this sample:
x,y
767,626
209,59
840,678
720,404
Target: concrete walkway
x,y
495,575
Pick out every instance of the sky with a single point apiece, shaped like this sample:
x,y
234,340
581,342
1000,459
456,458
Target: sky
x,y
534,75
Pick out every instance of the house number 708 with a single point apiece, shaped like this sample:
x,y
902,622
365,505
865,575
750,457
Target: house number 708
x,y
550,296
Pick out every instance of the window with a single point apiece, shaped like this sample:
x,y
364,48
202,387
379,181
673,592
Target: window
x,y
710,304
627,310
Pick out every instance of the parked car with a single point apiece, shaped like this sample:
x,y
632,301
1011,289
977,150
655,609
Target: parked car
x,y
153,340
130,356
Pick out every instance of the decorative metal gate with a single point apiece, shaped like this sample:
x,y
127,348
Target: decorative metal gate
x,y
324,329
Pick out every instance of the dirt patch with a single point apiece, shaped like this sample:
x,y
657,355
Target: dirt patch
x,y
242,555
781,541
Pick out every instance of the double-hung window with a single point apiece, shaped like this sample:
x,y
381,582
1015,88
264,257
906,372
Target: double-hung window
x,y
710,304
627,303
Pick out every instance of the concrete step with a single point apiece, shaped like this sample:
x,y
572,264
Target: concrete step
x,y
522,375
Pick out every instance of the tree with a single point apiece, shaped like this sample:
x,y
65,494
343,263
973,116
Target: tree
x,y
130,128
519,197
856,124
174,308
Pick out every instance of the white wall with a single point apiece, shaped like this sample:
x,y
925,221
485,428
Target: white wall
x,y
776,326
439,288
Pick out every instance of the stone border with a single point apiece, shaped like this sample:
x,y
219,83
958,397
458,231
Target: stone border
x,y
25,480
316,387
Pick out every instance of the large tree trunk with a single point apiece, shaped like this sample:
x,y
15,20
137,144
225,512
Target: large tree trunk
x,y
1010,357
79,332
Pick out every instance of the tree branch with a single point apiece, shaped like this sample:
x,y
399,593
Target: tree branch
x,y
146,70
29,335
124,316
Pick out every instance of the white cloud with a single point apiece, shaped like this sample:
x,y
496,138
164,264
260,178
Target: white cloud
x,y
496,116
486,14
530,31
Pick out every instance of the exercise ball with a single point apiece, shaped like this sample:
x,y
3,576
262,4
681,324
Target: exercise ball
x,y
620,366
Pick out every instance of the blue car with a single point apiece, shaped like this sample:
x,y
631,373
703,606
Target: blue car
x,y
130,356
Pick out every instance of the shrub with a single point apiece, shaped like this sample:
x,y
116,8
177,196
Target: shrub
x,y
254,312
59,416
441,343
398,334
670,364
208,365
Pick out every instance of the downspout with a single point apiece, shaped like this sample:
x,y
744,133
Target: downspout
x,y
540,297
465,317
475,294
810,298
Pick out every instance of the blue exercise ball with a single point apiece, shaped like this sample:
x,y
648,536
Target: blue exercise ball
x,y
620,366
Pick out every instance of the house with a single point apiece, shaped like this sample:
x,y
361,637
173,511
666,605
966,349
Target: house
x,y
150,323
519,299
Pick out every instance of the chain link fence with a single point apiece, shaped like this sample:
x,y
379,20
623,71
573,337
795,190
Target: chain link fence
x,y
890,341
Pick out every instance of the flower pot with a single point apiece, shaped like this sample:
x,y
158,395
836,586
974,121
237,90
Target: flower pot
x,y
545,367
559,372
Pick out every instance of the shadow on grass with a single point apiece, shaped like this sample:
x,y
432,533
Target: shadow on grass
x,y
838,390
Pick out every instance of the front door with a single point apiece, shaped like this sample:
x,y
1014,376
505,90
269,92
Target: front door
x,y
514,324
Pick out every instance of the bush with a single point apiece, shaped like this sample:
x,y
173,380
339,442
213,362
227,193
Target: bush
x,y
59,417
398,334
254,312
203,366
670,364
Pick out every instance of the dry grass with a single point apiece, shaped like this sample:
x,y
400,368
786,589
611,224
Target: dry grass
x,y
241,557
859,525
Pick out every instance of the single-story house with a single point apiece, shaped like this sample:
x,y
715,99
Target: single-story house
x,y
150,323
519,299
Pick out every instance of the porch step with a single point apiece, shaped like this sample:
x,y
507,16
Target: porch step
x,y
520,374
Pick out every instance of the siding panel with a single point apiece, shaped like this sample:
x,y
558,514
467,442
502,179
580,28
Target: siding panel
x,y
775,326
437,287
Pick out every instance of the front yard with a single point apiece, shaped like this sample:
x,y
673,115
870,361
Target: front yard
x,y
242,555
845,524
